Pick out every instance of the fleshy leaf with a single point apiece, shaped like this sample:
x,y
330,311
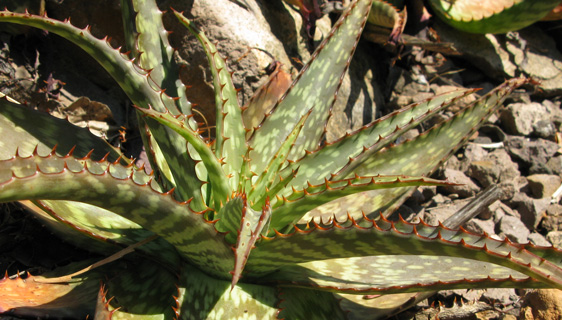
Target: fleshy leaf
x,y
32,298
260,187
291,209
371,238
154,50
24,130
142,91
315,88
418,156
400,273
498,16
265,97
217,177
386,15
108,186
299,303
231,136
130,77
204,297
99,230
251,226
321,164
146,291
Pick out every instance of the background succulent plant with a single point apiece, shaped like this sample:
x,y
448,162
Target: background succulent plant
x,y
491,16
262,221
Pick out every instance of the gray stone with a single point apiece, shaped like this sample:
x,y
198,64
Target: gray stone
x,y
475,152
465,188
435,215
538,240
543,185
552,220
531,210
509,169
555,237
534,154
520,118
513,229
527,52
479,226
496,211
545,129
502,296
554,165
485,172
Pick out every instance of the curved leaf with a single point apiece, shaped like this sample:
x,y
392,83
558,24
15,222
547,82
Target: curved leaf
x,y
121,190
382,237
315,88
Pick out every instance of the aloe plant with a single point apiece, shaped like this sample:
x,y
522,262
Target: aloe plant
x,y
492,16
264,221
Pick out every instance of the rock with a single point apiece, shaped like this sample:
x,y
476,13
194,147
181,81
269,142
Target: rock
x,y
538,240
520,118
527,52
496,211
480,226
465,188
485,172
466,294
543,185
533,154
555,237
552,220
433,216
475,152
428,192
531,210
542,304
509,169
456,164
488,212
545,129
513,229
503,296
554,164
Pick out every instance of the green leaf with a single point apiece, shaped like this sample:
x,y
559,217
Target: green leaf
x,y
315,88
400,273
174,165
418,156
250,230
299,303
289,210
121,190
243,226
219,182
321,164
145,291
260,188
428,150
230,137
102,229
498,16
142,91
130,77
27,130
205,297
369,238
